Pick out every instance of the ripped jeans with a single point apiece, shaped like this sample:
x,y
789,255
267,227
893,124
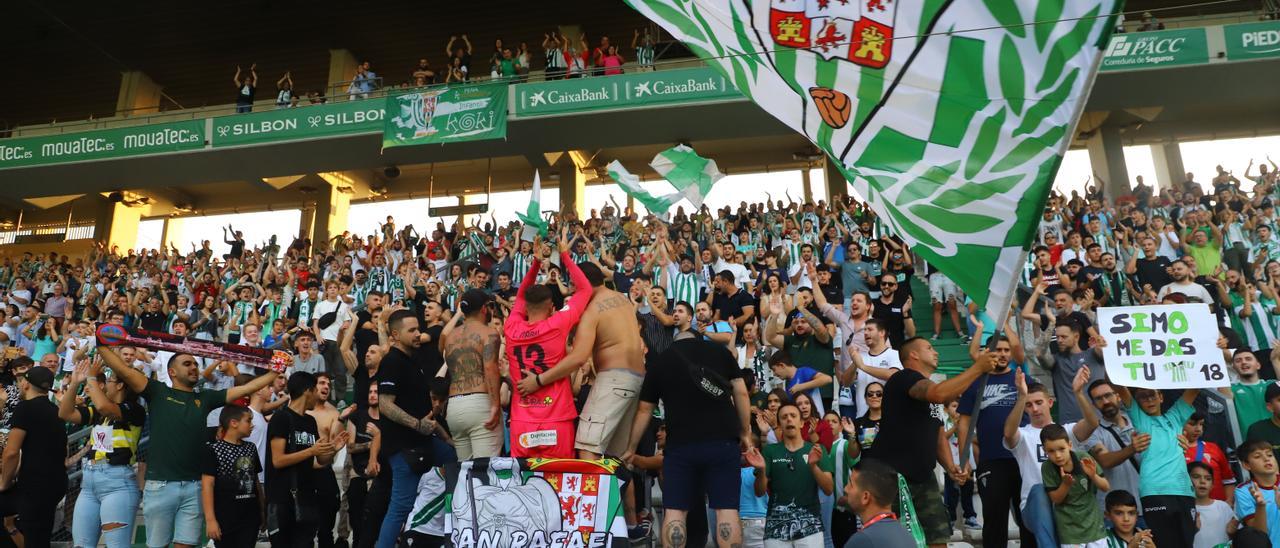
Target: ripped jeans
x,y
106,507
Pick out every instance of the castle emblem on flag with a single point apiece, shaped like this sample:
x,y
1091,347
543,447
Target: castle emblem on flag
x,y
860,31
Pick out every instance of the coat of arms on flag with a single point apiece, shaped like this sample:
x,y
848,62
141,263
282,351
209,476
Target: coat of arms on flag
x,y
860,31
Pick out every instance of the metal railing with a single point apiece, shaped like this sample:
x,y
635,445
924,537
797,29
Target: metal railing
x,y
48,233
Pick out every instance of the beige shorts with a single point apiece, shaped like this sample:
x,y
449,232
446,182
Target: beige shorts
x,y
604,427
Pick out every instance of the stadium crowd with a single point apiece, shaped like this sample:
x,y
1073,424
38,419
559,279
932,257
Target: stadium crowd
x,y
760,363
562,57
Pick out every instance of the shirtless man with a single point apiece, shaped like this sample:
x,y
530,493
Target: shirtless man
x,y
471,361
331,430
609,336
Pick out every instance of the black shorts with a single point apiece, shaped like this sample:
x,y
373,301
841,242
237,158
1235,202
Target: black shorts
x,y
710,467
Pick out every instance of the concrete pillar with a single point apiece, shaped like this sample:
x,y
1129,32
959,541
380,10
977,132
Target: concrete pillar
x,y
331,213
307,221
1106,157
174,232
806,184
117,225
573,184
164,233
342,68
138,94
467,199
833,179
1169,169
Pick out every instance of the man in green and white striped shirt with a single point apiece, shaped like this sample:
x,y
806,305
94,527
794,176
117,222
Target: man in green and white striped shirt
x,y
520,262
682,282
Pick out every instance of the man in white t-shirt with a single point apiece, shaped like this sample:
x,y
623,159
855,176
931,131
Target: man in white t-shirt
x,y
327,330
19,295
79,338
1024,443
1184,283
877,364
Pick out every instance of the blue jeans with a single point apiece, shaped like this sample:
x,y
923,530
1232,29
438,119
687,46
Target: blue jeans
x,y
1037,515
172,513
404,489
108,498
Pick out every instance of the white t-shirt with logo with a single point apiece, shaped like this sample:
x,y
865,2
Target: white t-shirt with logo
x,y
888,360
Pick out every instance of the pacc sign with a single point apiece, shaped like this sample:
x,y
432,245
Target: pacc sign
x,y
1141,50
1165,346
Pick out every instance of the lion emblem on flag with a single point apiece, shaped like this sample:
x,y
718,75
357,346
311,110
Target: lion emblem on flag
x,y
860,31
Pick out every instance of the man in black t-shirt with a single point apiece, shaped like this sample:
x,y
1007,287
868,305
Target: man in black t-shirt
x,y
894,307
37,439
910,436
427,355
707,412
403,403
152,318
367,330
293,450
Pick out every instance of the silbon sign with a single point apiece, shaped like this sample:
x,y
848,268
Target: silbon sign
x,y
344,118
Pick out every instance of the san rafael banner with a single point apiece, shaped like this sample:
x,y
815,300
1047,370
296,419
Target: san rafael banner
x,y
1156,49
1252,40
520,503
1166,346
293,124
101,144
622,91
446,115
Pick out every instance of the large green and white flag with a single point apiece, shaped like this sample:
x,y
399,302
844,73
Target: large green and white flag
x,y
630,183
692,175
949,116
446,115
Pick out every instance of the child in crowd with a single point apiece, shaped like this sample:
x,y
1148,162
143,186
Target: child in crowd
x,y
1217,524
1168,504
1072,480
232,497
1122,512
1208,453
1258,509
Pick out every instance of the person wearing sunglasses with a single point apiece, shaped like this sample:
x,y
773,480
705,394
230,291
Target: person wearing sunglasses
x,y
894,307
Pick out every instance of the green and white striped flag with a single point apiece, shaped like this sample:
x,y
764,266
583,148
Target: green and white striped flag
x,y
949,116
692,175
630,183
532,219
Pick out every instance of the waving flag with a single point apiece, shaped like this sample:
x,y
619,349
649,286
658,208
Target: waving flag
x,y
532,219
630,183
692,175
950,117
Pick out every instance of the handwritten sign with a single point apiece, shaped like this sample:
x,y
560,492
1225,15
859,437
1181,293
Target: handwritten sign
x,y
1165,346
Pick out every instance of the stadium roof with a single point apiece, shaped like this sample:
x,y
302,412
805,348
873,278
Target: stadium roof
x,y
68,55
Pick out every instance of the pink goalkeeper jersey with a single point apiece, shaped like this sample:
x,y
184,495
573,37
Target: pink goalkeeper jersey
x,y
537,347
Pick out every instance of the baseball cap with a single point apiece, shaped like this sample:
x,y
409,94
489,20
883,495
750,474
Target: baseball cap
x,y
1273,391
42,378
473,300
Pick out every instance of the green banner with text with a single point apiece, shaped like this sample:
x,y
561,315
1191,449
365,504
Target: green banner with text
x,y
1252,40
622,91
101,144
292,124
1156,49
446,115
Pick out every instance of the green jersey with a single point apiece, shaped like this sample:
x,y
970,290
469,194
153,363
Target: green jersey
x,y
794,512
177,421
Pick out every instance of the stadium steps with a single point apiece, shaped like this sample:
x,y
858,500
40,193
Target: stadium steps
x,y
953,353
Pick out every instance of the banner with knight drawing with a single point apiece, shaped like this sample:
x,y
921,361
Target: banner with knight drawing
x,y
526,503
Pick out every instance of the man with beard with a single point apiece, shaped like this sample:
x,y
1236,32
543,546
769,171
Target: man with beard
x,y
1115,444
172,501
1072,354
403,404
1113,287
999,483
705,323
1184,284
875,364
910,437
809,343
